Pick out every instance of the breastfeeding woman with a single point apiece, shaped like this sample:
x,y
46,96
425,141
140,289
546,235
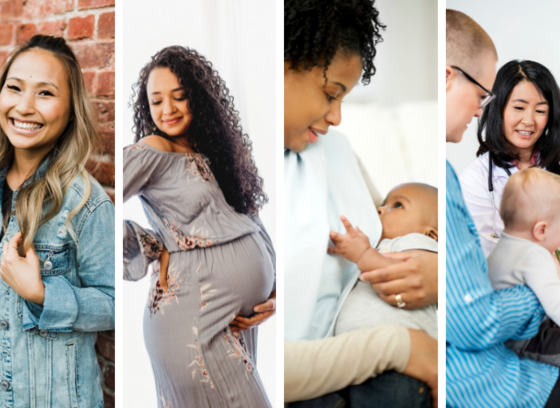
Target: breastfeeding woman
x,y
193,171
322,181
519,129
57,255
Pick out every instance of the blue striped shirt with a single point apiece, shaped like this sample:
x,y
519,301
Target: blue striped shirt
x,y
481,370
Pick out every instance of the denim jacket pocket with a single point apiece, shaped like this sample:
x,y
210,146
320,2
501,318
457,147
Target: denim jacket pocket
x,y
71,375
53,260
19,307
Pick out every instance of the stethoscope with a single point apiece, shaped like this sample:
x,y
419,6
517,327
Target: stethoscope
x,y
491,190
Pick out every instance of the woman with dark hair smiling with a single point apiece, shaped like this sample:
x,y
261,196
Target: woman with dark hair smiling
x,y
193,171
519,129
328,47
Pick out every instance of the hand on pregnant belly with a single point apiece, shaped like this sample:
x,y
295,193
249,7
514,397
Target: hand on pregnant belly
x,y
163,264
262,313
415,279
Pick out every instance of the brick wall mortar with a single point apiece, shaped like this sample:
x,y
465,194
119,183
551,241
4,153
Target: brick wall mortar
x,y
16,13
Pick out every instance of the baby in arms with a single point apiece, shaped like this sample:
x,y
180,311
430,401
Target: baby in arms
x,y
410,221
525,254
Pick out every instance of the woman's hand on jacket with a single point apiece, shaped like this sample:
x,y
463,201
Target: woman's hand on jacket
x,y
415,279
23,275
262,313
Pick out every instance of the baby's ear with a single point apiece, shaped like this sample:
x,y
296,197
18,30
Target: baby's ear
x,y
539,230
432,233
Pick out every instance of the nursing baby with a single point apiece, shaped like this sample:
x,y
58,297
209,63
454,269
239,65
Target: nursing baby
x,y
410,221
526,253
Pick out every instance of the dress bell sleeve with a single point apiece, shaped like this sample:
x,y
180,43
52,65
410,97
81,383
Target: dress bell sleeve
x,y
141,246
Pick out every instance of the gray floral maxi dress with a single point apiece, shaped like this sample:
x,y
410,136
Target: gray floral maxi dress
x,y
222,264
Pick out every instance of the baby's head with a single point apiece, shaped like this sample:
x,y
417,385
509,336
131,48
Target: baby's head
x,y
530,207
409,208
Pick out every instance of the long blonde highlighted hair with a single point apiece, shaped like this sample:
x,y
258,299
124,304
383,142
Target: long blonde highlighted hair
x,y
41,199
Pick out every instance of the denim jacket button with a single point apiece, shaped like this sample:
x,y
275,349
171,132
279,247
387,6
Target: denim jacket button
x,y
4,324
43,333
5,385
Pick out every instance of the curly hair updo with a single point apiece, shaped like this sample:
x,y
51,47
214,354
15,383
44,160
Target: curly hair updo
x,y
215,129
315,30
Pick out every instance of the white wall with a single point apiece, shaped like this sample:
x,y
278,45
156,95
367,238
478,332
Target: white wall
x,y
238,37
406,60
520,30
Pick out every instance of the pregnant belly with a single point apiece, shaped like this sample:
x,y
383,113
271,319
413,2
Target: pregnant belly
x,y
223,280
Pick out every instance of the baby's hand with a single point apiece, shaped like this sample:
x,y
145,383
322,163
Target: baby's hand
x,y
350,246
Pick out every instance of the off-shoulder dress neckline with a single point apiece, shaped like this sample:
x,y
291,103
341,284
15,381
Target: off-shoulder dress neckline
x,y
154,149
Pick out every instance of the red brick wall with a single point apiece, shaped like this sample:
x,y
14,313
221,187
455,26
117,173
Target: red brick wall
x,y
89,28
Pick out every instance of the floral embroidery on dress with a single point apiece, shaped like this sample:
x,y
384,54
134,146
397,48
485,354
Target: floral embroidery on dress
x,y
198,362
204,292
158,298
198,166
149,246
193,240
146,184
163,403
236,348
137,146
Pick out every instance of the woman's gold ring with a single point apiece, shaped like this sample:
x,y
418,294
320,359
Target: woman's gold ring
x,y
400,302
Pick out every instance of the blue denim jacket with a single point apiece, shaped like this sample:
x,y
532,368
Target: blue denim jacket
x,y
47,355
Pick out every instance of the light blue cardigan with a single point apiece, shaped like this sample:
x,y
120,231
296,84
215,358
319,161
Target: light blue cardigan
x,y
321,183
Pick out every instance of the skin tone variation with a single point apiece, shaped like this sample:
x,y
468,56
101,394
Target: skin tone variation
x,y
463,97
170,112
525,117
311,106
34,111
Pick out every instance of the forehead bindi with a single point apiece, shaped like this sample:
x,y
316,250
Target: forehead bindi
x,y
39,68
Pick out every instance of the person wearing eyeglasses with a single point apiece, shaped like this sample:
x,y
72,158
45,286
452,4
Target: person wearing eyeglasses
x,y
520,129
481,370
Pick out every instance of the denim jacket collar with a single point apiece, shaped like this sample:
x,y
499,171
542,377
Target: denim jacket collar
x,y
40,172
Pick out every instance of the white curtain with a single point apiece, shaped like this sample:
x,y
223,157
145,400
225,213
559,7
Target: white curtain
x,y
238,37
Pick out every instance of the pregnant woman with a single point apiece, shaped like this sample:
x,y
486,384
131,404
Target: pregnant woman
x,y
194,174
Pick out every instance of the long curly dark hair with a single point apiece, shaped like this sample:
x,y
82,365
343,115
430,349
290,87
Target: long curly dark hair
x,y
215,129
314,30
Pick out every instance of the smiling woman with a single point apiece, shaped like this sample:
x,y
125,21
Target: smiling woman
x,y
193,170
519,129
56,291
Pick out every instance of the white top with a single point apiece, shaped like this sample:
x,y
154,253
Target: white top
x,y
364,308
517,261
321,183
474,185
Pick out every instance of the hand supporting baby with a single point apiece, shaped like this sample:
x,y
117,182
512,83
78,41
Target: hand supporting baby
x,y
351,246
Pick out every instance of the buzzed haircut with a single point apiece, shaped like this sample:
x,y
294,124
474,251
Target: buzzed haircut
x,y
530,195
466,42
